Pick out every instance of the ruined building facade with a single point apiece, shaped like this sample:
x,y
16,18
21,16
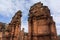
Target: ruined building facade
x,y
15,26
41,25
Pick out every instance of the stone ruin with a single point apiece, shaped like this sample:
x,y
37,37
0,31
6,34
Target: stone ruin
x,y
41,25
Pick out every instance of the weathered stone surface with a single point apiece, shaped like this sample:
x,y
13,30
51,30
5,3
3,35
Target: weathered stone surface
x,y
41,26
15,26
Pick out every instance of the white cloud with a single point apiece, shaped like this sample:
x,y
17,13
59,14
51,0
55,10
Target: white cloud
x,y
54,5
25,26
56,19
9,7
58,29
4,7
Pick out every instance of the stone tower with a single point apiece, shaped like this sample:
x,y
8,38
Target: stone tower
x,y
41,24
15,26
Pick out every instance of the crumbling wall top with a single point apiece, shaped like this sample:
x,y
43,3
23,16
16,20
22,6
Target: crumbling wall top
x,y
39,9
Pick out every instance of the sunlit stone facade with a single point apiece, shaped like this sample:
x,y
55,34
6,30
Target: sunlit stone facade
x,y
41,25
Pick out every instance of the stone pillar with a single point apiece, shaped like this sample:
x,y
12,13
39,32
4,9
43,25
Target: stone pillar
x,y
22,34
1,37
16,34
53,31
26,38
34,29
29,28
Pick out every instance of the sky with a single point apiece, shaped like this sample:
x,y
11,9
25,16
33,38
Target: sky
x,y
9,7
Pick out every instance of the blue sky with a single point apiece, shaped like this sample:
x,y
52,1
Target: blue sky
x,y
9,7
